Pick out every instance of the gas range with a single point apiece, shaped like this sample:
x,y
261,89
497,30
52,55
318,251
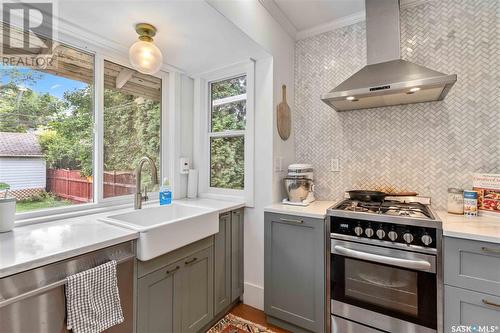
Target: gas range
x,y
385,268
399,210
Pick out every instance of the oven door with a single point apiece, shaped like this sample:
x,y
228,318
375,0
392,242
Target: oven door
x,y
382,287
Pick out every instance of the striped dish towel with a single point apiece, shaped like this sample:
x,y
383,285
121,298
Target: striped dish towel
x,y
92,300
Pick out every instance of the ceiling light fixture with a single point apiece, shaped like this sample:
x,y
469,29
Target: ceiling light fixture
x,y
415,89
351,98
144,55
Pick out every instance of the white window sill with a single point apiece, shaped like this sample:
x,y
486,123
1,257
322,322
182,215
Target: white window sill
x,y
23,219
224,197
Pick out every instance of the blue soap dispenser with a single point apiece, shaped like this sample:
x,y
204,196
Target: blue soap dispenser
x,y
165,193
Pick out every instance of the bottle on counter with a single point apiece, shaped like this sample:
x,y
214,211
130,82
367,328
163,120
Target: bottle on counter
x,y
165,193
455,201
470,203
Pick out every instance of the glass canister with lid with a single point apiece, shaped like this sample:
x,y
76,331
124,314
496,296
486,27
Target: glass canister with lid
x,y
455,200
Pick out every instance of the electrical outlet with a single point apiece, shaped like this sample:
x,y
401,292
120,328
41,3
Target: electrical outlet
x,y
334,165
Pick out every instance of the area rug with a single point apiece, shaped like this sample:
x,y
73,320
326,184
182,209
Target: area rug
x,y
234,324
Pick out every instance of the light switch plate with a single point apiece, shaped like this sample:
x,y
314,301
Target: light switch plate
x,y
185,165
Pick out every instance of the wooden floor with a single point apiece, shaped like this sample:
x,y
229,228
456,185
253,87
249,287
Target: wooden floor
x,y
254,315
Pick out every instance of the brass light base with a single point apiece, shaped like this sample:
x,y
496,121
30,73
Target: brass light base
x,y
145,31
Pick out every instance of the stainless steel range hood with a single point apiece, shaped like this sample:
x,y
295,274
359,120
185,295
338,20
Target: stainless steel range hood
x,y
387,79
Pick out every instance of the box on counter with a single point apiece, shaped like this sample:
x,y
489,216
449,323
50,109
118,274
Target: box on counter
x,y
487,186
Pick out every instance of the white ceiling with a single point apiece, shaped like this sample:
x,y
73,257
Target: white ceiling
x,y
307,14
192,35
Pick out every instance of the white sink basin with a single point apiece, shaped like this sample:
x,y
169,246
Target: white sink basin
x,y
166,228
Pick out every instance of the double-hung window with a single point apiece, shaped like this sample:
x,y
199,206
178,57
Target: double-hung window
x,y
227,144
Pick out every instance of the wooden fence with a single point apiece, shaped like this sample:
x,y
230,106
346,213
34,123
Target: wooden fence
x,y
71,185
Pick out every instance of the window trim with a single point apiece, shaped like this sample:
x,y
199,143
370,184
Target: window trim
x,y
99,202
203,134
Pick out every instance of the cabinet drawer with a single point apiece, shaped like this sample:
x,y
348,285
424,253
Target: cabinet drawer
x,y
472,265
470,308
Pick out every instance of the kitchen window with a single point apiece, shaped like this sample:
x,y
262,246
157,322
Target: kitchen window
x,y
46,131
131,128
71,132
226,117
228,106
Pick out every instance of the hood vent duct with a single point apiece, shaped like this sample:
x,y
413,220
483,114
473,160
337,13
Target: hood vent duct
x,y
387,79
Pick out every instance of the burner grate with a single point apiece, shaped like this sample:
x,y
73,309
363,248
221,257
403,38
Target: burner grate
x,y
387,207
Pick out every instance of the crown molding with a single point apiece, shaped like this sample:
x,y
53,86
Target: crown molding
x,y
348,20
332,25
280,17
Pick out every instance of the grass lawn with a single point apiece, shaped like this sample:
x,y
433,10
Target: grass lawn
x,y
25,206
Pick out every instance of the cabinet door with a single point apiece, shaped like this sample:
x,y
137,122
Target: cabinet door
x,y
222,260
197,290
470,308
294,270
472,265
236,254
158,306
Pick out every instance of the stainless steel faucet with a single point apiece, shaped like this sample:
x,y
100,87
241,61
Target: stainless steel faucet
x,y
138,197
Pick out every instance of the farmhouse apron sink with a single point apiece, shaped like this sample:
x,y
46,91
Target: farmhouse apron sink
x,y
166,228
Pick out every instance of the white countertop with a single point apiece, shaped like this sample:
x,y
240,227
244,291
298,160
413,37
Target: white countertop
x,y
484,228
220,205
317,209
35,245
30,246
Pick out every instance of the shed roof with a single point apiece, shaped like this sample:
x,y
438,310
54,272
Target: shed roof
x,y
19,145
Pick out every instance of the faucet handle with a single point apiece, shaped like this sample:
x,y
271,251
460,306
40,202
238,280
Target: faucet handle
x,y
145,196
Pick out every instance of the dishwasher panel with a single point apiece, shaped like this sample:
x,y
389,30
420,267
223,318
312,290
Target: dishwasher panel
x,y
34,301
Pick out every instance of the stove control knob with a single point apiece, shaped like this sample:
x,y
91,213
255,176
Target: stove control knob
x,y
426,239
358,231
408,238
392,235
380,233
369,232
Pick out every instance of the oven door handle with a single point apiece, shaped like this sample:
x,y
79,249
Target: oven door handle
x,y
420,265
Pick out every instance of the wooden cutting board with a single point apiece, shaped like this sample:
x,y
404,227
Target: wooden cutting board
x,y
284,120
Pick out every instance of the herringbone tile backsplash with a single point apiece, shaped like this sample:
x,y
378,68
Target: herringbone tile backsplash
x,y
424,147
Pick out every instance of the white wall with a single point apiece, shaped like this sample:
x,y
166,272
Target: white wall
x,y
270,73
179,114
22,173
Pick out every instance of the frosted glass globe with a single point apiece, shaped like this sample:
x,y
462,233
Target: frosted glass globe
x,y
145,57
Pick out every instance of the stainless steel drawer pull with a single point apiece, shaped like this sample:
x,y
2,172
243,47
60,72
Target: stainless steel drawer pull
x,y
41,290
190,261
172,270
486,302
291,220
490,250
406,263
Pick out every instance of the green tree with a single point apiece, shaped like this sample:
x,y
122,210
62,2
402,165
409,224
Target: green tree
x,y
22,109
227,169
67,140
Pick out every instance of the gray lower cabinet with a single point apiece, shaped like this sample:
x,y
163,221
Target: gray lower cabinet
x,y
222,267
236,254
158,305
472,283
177,297
197,291
295,271
470,308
